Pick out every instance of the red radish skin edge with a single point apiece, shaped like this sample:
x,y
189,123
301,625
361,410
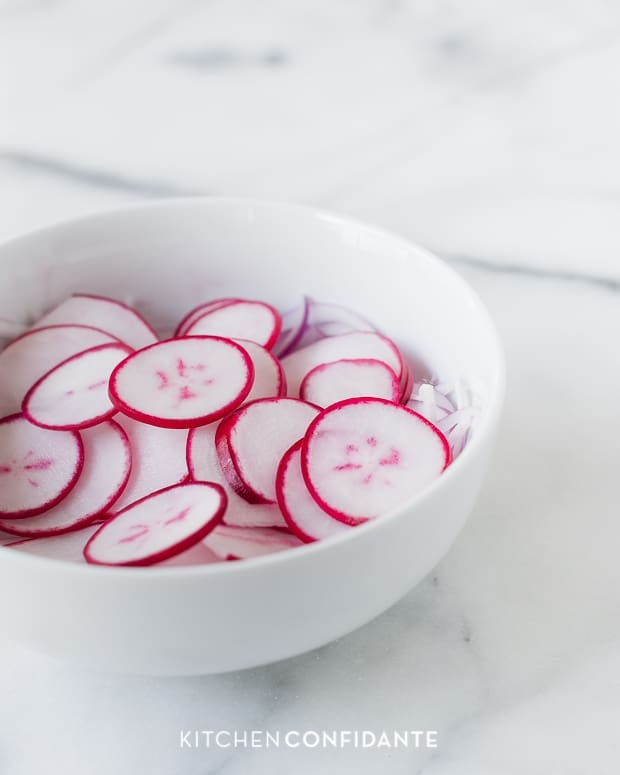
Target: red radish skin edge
x,y
335,513
229,465
303,387
78,426
33,534
31,331
170,551
199,311
228,460
149,419
288,517
118,303
277,320
64,492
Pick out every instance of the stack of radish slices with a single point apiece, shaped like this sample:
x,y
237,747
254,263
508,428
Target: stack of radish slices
x,y
245,433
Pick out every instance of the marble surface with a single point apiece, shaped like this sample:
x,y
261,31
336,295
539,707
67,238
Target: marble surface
x,y
488,132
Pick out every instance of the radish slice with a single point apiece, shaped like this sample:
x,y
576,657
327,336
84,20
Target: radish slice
x,y
30,356
406,382
158,459
331,382
252,320
38,467
269,380
200,554
250,444
362,344
182,382
159,526
365,456
243,543
107,463
68,547
109,315
6,538
302,513
204,465
193,315
74,394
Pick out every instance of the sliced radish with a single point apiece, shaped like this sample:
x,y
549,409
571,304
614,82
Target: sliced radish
x,y
199,554
193,315
359,344
331,382
182,382
109,315
30,356
302,513
38,467
406,384
365,456
243,543
253,320
74,394
107,463
251,442
204,465
68,547
269,380
158,459
162,525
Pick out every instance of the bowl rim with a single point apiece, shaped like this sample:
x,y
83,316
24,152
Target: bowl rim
x,y
485,429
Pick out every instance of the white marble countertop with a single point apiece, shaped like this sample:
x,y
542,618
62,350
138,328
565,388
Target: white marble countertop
x,y
488,132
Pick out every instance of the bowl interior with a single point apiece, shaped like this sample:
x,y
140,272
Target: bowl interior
x,y
167,257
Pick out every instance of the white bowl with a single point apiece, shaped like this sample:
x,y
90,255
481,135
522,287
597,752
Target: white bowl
x,y
166,257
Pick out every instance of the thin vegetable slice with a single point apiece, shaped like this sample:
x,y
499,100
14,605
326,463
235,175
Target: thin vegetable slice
x,y
254,320
302,513
67,547
243,543
196,313
349,378
159,526
158,459
362,344
109,315
182,382
74,394
30,356
365,456
38,467
251,442
204,465
107,463
269,379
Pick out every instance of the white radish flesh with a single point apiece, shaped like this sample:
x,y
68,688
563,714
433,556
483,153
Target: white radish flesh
x,y
160,526
193,315
109,315
158,459
183,382
252,320
241,543
365,456
199,554
250,444
107,463
38,467
302,513
204,465
30,356
331,382
269,380
359,344
66,547
74,394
